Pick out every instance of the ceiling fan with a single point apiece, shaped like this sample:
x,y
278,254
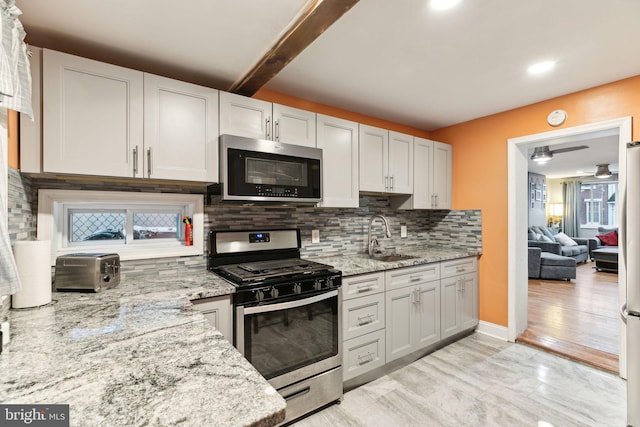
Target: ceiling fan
x,y
543,154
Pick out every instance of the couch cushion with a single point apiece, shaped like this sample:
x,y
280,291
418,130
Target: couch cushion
x,y
605,230
609,239
565,240
572,251
549,259
546,232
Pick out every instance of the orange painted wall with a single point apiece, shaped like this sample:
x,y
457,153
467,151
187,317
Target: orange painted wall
x,y
12,135
480,169
303,104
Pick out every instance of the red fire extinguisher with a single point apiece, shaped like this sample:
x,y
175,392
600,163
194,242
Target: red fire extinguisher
x,y
188,231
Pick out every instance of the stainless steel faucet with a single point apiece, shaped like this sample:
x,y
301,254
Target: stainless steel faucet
x,y
373,242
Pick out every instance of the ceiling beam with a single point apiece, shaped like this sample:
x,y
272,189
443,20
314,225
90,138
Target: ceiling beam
x,y
319,16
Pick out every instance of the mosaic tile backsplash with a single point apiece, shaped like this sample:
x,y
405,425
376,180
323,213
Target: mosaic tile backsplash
x,y
342,231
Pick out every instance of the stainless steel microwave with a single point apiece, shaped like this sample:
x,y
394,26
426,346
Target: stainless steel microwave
x,y
269,171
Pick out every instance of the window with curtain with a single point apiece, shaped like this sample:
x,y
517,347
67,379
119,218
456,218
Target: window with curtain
x,y
598,204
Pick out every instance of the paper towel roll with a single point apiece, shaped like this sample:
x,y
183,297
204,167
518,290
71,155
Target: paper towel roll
x,y
33,259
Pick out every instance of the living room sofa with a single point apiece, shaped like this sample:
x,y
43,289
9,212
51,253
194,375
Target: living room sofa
x,y
580,252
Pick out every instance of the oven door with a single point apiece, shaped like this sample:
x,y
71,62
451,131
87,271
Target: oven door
x,y
293,340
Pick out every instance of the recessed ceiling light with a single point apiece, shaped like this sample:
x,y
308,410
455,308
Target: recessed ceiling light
x,y
541,67
443,4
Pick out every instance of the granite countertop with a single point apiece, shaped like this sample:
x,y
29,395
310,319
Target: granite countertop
x,y
135,355
139,354
352,265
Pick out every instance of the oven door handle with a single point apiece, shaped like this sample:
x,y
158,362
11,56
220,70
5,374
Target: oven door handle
x,y
289,304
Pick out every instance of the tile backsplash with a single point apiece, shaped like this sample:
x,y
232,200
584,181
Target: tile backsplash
x,y
342,230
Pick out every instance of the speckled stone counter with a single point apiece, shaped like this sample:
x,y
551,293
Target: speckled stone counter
x,y
352,265
135,355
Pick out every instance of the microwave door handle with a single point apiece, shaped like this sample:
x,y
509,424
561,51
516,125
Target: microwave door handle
x,y
290,304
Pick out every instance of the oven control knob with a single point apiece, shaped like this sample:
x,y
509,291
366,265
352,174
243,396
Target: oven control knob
x,y
297,288
317,285
330,282
274,292
259,295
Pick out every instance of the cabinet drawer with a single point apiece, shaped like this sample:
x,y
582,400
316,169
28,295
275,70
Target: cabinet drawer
x,y
459,266
363,354
357,286
362,315
395,279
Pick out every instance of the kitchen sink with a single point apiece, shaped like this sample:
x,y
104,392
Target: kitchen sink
x,y
392,257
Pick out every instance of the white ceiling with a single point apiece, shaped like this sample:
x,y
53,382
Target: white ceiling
x,y
396,60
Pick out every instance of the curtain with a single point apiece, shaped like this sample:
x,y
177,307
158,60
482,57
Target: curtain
x,y
15,70
571,197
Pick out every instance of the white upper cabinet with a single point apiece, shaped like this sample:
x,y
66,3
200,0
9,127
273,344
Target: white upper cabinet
x,y
338,139
243,116
431,177
374,159
100,119
92,116
294,126
254,118
401,162
180,130
442,165
386,161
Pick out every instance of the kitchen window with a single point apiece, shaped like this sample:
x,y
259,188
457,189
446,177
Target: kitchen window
x,y
134,225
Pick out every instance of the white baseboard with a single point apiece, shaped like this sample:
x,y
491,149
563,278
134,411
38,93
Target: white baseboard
x,y
497,331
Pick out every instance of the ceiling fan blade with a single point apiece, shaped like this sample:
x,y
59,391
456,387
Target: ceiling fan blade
x,y
566,150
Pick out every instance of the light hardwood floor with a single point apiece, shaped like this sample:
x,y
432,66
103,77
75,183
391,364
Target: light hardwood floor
x,y
481,381
577,319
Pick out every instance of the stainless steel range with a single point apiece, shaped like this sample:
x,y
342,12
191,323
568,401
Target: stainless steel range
x,y
287,314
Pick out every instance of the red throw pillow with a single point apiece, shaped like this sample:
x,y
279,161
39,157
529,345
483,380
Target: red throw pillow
x,y
609,239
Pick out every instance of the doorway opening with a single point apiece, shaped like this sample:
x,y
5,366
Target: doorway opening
x,y
518,152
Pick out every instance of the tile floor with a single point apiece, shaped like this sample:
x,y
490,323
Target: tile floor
x,y
482,381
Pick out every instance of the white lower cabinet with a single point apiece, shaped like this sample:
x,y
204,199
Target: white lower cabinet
x,y
393,314
363,354
363,322
459,295
217,311
413,309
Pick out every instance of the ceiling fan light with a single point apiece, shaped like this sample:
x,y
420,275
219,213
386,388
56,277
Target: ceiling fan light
x,y
603,171
540,155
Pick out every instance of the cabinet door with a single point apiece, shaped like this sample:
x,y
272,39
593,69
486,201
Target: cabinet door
x,y
217,311
362,315
180,130
400,163
442,164
374,149
469,301
428,319
450,306
294,126
243,116
400,309
338,140
422,174
92,116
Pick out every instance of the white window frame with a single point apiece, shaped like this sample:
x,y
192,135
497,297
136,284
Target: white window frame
x,y
53,208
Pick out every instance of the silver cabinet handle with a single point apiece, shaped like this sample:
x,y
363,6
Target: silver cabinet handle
x,y
364,288
268,128
433,200
391,183
418,295
460,269
436,205
415,277
365,358
365,320
386,182
135,161
149,162
276,131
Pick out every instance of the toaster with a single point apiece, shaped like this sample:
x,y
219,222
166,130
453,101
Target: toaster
x,y
87,272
